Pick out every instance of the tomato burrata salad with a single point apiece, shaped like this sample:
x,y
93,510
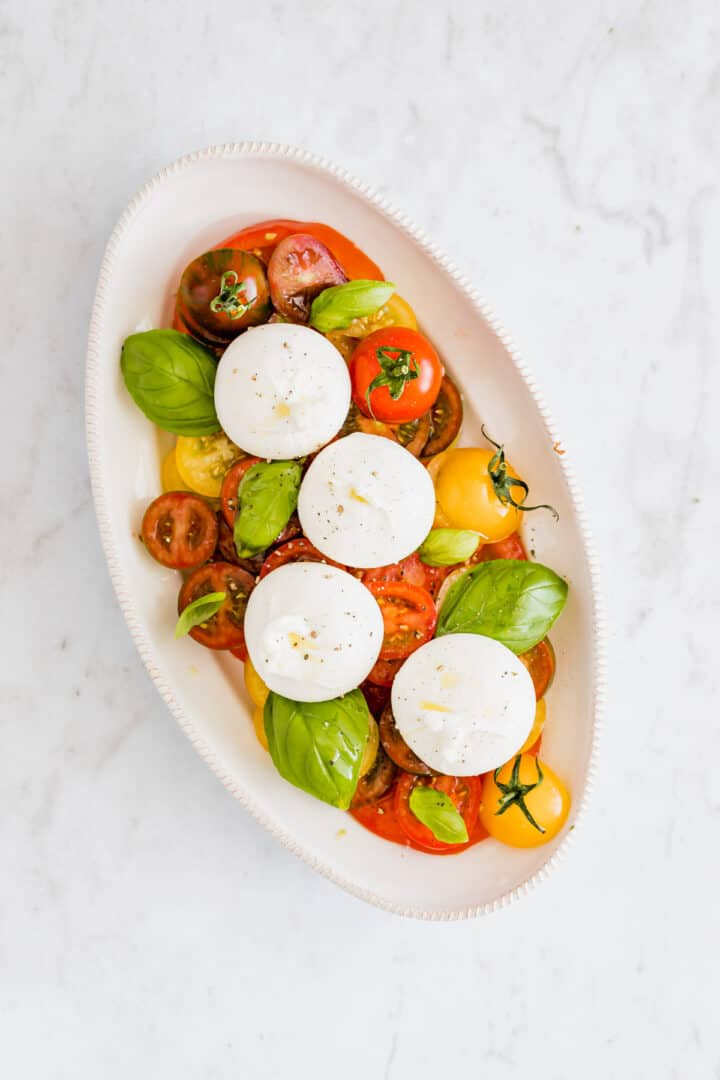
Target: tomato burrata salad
x,y
332,535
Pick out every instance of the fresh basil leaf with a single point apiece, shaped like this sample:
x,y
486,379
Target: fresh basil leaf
x,y
267,495
445,547
198,612
438,812
318,745
171,378
336,307
513,601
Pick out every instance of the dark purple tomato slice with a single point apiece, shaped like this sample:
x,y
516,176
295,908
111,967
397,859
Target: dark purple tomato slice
x,y
180,530
299,269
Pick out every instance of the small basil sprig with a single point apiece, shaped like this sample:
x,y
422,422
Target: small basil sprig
x,y
438,812
445,547
171,378
318,745
336,307
513,601
198,612
267,497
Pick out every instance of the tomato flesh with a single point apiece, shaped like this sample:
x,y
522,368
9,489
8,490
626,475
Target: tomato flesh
x,y
300,268
540,662
412,570
224,630
465,792
300,550
409,617
180,530
446,417
383,672
511,547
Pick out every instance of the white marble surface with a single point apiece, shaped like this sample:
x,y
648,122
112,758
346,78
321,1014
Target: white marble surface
x,y
565,154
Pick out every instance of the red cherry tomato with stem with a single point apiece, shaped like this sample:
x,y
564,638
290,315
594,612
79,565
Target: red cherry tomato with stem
x,y
396,375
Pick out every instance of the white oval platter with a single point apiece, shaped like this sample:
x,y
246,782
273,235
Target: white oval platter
x,y
185,209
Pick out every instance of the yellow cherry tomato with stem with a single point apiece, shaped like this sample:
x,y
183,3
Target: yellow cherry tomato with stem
x,y
524,804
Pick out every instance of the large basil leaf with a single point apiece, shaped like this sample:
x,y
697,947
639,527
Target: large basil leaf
x,y
318,746
513,601
336,307
268,495
439,813
172,379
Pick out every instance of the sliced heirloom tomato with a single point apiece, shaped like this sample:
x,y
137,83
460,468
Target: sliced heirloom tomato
x,y
203,460
221,293
383,672
300,550
412,570
511,547
409,616
223,630
375,782
262,239
299,269
413,435
396,375
397,749
231,485
464,791
446,418
180,530
540,662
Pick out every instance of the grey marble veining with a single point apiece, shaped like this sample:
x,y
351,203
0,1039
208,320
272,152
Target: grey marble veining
x,y
566,155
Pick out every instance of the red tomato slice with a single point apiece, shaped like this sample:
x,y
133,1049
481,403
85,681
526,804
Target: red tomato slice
x,y
180,530
413,570
510,548
540,662
465,792
240,653
223,630
230,485
409,615
384,671
300,550
263,238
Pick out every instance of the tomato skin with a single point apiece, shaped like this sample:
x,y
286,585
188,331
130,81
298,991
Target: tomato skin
x,y
299,550
532,743
465,792
412,570
376,782
223,630
397,749
446,418
263,238
511,547
548,803
383,672
221,293
300,268
180,530
540,662
409,615
418,394
169,475
230,485
466,497
412,435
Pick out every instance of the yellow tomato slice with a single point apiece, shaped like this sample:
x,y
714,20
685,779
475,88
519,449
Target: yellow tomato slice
x,y
396,312
203,460
169,476
259,725
254,685
537,728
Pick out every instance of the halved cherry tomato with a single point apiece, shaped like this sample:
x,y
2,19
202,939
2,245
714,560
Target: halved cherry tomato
x,y
412,435
180,530
396,375
263,238
223,630
524,804
300,550
375,782
540,662
465,792
222,293
409,616
412,570
511,547
397,749
446,417
169,475
384,671
203,461
230,485
299,269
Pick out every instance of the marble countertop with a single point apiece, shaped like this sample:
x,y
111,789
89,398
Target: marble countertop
x,y
566,156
